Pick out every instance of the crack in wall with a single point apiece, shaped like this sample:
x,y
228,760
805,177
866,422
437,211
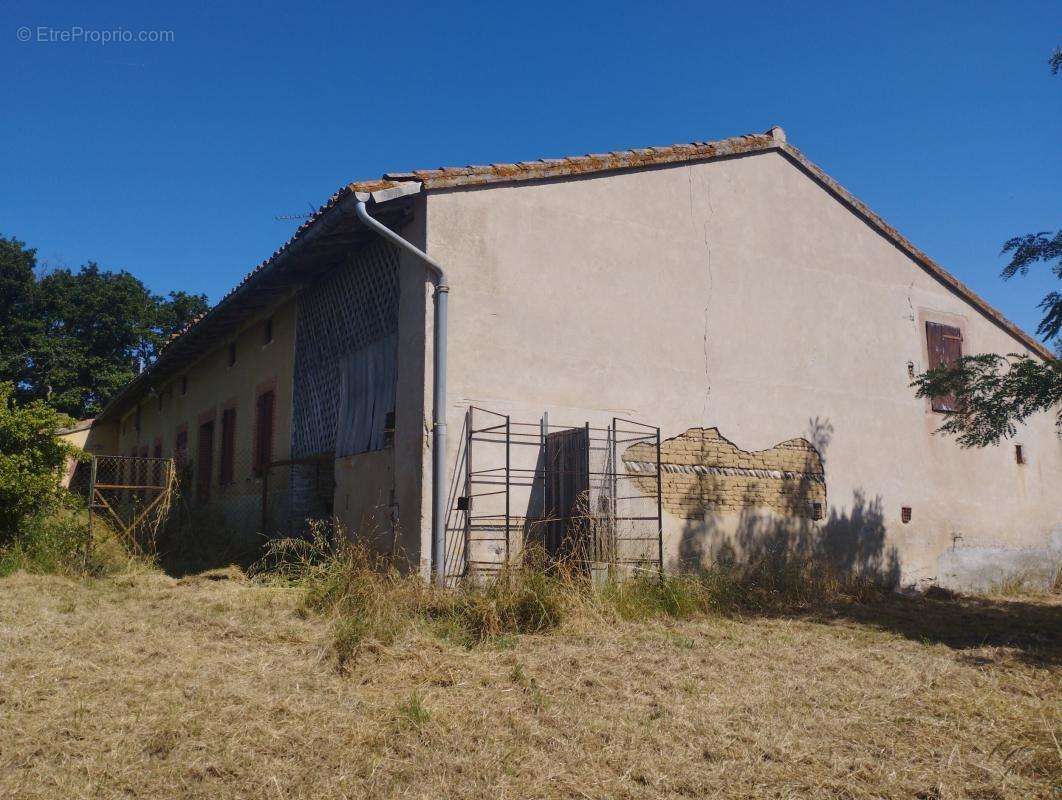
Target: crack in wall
x,y
708,282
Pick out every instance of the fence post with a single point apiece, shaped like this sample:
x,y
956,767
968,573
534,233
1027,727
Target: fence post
x,y
659,509
91,502
466,550
265,499
508,436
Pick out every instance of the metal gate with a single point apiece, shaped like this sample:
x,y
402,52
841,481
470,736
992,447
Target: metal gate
x,y
131,496
562,488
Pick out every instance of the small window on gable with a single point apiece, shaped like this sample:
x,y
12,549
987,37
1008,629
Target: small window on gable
x,y
267,331
1019,454
944,344
184,385
232,354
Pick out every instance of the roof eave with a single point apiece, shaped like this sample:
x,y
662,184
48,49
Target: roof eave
x,y
907,247
337,212
396,186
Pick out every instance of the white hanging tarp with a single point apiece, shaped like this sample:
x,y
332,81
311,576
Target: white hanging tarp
x,y
366,396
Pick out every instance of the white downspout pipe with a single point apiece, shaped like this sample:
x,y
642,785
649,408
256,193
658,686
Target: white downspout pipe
x,y
438,427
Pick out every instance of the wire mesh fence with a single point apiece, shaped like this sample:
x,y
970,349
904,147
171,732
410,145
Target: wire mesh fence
x,y
132,496
194,513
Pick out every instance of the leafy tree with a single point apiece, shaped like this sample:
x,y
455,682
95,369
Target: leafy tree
x,y
17,265
32,459
73,339
994,393
173,315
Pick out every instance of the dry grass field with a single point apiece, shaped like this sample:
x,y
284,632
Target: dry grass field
x,y
149,687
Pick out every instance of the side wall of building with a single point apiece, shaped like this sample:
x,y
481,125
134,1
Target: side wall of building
x,y
202,394
740,295
376,501
95,439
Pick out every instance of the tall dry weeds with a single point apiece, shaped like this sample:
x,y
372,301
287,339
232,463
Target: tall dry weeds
x,y
373,604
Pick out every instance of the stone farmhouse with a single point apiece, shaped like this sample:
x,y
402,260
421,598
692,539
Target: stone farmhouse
x,y
680,352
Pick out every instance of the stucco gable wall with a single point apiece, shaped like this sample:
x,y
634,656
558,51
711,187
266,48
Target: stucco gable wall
x,y
735,294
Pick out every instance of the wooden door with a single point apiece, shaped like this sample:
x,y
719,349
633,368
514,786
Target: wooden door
x,y
567,485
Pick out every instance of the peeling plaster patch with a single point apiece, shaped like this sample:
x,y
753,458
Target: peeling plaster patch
x,y
980,569
701,471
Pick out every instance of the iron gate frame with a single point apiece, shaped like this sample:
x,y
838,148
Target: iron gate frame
x,y
97,501
501,477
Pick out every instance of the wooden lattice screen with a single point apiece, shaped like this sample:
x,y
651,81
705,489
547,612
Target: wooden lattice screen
x,y
352,307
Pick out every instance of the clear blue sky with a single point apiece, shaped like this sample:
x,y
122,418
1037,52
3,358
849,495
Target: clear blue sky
x,y
172,159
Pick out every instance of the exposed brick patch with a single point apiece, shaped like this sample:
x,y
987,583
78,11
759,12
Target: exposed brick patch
x,y
702,471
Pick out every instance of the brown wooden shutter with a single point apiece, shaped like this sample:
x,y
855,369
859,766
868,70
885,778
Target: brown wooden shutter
x,y
228,446
945,347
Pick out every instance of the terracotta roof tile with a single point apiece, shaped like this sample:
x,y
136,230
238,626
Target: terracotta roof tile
x,y
579,165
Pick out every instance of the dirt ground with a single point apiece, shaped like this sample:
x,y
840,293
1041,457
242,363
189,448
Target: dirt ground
x,y
148,687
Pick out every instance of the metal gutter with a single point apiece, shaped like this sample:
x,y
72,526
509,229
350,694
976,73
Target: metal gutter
x,y
438,427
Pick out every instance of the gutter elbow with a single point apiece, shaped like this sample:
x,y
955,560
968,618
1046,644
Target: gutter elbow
x,y
362,210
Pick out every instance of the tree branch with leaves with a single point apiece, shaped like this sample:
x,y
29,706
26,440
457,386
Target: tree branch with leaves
x,y
995,393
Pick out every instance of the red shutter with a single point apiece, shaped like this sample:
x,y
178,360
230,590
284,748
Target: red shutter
x,y
945,347
263,444
228,446
205,461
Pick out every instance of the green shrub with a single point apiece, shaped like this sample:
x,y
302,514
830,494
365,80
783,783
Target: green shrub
x,y
46,544
32,460
649,595
54,544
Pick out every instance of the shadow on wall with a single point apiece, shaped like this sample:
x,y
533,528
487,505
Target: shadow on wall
x,y
850,543
742,506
